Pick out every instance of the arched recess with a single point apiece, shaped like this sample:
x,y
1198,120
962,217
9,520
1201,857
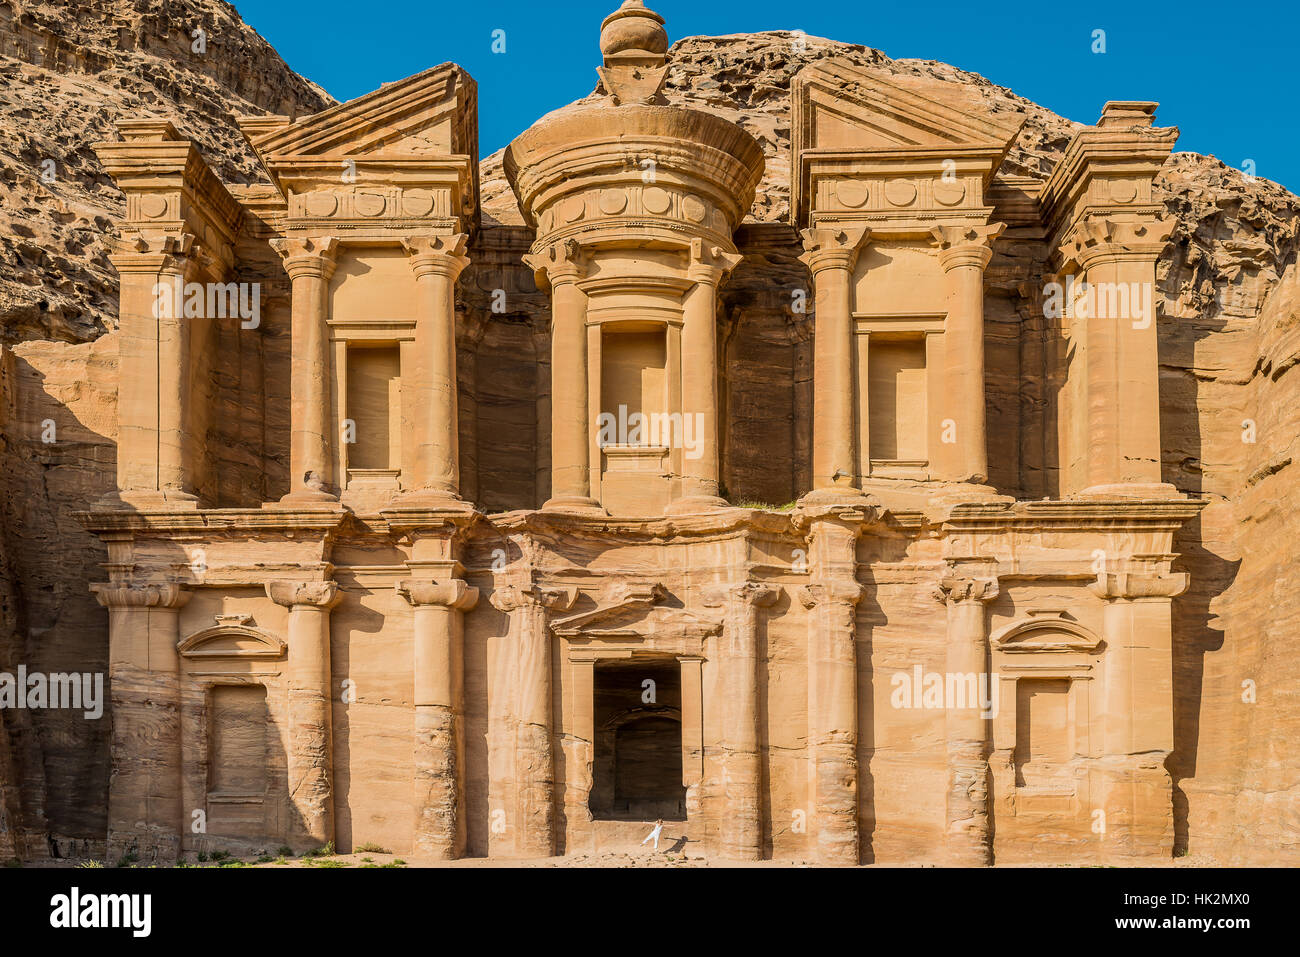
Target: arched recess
x,y
233,697
1047,712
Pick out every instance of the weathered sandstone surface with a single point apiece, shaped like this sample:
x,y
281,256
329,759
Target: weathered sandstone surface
x,y
1229,345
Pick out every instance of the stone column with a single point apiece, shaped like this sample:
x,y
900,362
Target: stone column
x,y
534,751
831,255
310,264
1116,310
1138,732
738,661
708,266
964,252
155,453
692,731
562,266
969,829
832,598
311,757
439,673
430,421
145,812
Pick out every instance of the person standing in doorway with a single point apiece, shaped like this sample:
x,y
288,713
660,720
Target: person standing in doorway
x,y
654,835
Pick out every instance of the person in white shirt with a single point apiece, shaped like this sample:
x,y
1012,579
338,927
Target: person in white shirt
x,y
654,835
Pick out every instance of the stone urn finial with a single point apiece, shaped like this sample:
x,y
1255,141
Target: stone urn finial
x,y
634,45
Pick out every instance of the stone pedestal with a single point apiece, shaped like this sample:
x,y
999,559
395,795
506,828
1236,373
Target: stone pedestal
x,y
311,757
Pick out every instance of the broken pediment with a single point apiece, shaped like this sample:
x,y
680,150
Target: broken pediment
x,y
636,611
865,144
421,131
841,106
431,113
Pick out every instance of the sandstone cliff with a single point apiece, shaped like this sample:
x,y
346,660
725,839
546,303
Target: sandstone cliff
x,y
1230,341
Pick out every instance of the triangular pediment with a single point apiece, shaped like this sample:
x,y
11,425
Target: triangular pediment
x,y
841,106
433,113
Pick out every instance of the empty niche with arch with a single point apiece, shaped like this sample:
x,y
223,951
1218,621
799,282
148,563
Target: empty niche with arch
x,y
229,665
1047,711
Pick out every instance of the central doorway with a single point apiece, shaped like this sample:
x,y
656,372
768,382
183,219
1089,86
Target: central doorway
x,y
637,769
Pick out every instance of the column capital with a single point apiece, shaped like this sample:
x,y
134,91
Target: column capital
x,y
138,253
564,261
512,597
965,245
307,256
454,593
1097,240
709,264
140,596
833,247
1128,586
759,594
437,255
319,594
833,592
956,589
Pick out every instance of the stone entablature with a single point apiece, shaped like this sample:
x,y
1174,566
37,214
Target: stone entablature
x,y
437,678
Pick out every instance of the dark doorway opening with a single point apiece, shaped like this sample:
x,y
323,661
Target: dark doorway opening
x,y
638,747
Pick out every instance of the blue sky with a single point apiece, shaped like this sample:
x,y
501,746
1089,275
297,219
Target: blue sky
x,y
1226,74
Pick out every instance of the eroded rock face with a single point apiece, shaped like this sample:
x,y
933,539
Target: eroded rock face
x,y
67,71
1229,345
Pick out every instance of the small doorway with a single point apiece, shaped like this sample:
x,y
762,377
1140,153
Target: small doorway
x,y
638,747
